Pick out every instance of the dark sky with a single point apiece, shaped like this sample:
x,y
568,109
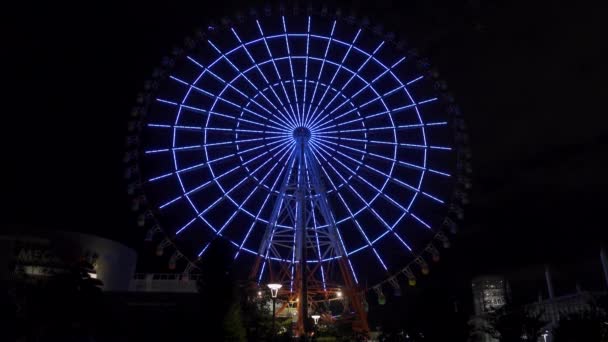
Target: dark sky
x,y
531,82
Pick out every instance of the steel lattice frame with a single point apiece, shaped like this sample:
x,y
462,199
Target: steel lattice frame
x,y
381,148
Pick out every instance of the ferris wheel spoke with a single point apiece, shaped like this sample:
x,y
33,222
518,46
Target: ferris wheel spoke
x,y
219,97
316,154
340,65
359,107
316,227
229,130
272,189
318,245
257,66
398,128
369,243
285,144
226,194
390,143
286,150
306,124
369,57
364,181
271,236
276,70
333,185
376,156
368,84
239,208
392,111
293,77
241,74
191,168
391,178
306,71
320,72
202,146
200,187
206,112
369,207
207,164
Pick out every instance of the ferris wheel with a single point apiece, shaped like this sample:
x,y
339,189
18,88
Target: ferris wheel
x,y
327,156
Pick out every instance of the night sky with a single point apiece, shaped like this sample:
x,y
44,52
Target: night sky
x,y
531,82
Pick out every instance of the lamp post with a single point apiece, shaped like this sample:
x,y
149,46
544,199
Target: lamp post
x,y
274,291
545,334
316,317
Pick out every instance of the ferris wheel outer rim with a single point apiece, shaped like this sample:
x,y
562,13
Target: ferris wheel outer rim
x,y
160,74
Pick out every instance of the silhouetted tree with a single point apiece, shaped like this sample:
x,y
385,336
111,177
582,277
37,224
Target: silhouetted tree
x,y
584,326
219,293
64,307
514,323
588,325
233,328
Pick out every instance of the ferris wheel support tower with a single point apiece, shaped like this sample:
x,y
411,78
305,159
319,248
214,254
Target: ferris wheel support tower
x,y
301,195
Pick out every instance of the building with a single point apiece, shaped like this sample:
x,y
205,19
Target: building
x,y
37,255
489,294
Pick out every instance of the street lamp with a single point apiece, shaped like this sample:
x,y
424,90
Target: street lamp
x,y
316,318
545,334
274,291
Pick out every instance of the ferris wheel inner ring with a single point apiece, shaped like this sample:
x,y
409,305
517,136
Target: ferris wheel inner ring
x,y
233,113
307,125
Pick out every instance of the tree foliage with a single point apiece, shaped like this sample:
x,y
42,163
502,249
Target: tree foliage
x,y
513,323
66,306
588,325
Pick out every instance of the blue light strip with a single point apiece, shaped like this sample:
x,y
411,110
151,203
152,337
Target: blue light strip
x,y
324,126
353,74
218,97
203,111
257,66
315,226
306,124
206,184
225,194
239,208
400,127
274,227
334,137
340,66
276,70
352,216
293,77
306,69
364,87
398,162
193,147
367,204
276,179
249,81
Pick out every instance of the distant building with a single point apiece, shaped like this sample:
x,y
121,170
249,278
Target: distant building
x,y
35,256
489,294
164,282
551,310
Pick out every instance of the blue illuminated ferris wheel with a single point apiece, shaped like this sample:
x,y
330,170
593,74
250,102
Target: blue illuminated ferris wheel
x,y
324,153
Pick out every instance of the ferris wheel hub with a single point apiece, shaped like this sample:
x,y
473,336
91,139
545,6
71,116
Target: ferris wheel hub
x,y
301,133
